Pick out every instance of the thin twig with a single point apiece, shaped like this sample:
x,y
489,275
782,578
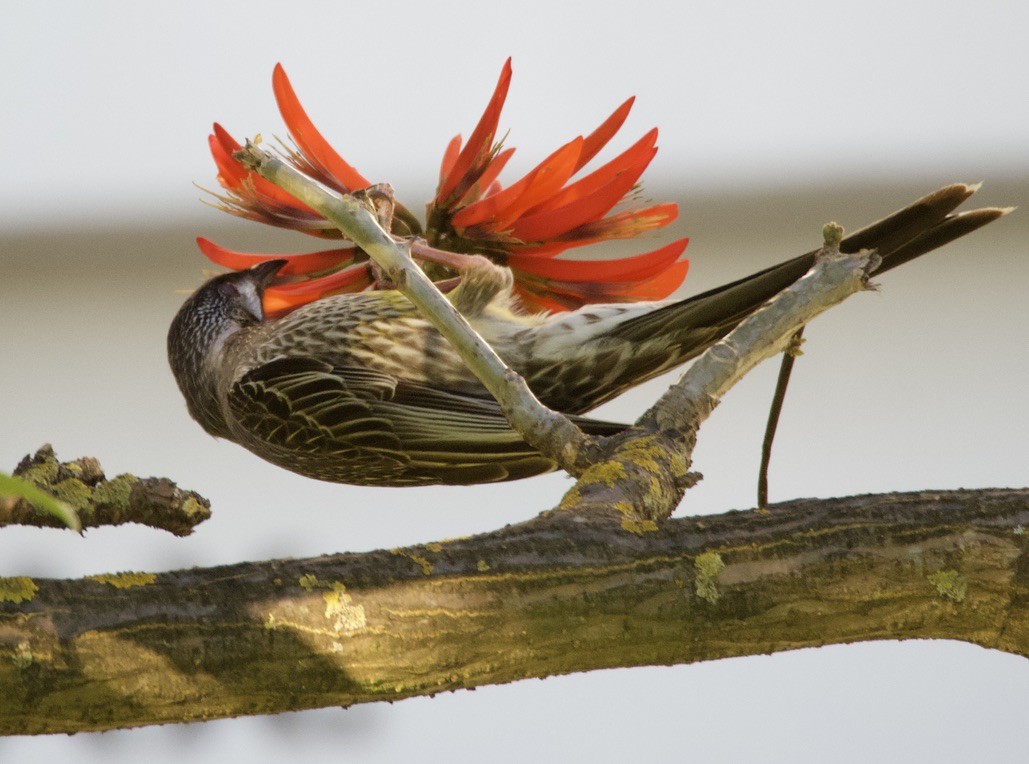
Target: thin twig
x,y
785,370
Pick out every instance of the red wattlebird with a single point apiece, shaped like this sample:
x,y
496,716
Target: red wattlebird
x,y
360,388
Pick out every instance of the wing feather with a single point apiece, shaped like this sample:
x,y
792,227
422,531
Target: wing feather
x,y
357,425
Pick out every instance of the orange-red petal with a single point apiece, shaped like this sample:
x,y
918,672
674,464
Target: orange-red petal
x,y
489,175
624,225
623,269
309,139
569,295
449,157
232,174
599,138
473,158
642,151
593,206
495,213
281,299
296,264
657,288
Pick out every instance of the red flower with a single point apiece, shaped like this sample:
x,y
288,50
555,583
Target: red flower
x,y
524,225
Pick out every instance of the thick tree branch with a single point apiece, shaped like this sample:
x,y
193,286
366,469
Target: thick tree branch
x,y
560,594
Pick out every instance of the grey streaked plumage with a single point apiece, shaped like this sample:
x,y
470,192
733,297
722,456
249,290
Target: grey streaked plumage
x,y
359,388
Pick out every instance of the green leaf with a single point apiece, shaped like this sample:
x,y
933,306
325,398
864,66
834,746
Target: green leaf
x,y
40,499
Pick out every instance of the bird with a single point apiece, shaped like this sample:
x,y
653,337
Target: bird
x,y
359,388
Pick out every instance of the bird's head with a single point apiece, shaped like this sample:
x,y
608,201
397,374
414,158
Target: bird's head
x,y
200,330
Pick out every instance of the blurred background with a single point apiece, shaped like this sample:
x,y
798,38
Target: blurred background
x,y
774,119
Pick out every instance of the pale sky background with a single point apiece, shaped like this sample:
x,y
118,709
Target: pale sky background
x,y
847,110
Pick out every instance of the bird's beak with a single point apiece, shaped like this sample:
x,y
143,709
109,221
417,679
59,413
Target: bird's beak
x,y
265,272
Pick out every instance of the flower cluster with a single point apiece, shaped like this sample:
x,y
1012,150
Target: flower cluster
x,y
525,225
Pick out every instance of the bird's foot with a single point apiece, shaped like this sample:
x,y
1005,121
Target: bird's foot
x,y
379,199
480,279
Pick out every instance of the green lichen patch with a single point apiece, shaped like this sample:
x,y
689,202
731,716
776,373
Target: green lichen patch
x,y
74,492
482,566
42,473
707,566
115,492
17,589
123,580
950,584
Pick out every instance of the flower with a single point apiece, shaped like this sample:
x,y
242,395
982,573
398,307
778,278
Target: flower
x,y
524,225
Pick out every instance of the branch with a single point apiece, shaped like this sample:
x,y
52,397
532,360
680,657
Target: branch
x,y
646,470
560,594
154,502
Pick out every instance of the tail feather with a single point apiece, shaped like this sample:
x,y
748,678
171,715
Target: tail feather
x,y
699,321
953,227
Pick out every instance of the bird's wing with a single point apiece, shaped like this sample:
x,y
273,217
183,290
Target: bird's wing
x,y
356,425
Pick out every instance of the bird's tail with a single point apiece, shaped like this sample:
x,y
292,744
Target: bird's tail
x,y
672,334
919,228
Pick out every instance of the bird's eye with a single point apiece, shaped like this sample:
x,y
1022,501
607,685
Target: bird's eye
x,y
229,290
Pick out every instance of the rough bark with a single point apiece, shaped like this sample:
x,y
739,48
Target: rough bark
x,y
154,502
563,593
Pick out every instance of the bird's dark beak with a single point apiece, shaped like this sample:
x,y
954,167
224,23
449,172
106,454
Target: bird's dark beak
x,y
265,272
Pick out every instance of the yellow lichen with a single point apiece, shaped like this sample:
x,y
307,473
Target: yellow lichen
x,y
646,453
950,584
570,499
192,507
632,522
340,610
22,657
608,473
123,580
346,617
482,566
435,546
418,560
17,589
707,566
638,526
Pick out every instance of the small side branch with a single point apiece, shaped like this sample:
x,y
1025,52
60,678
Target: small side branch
x,y
647,469
154,502
546,430
789,356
